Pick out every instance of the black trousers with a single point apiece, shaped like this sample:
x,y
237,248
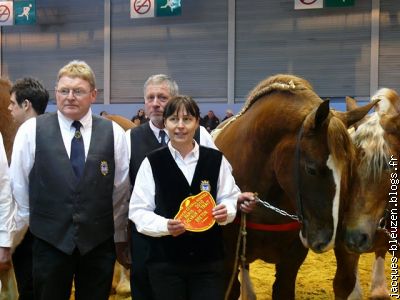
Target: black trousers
x,y
140,282
54,271
187,281
22,262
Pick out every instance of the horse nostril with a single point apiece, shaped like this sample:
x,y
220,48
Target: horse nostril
x,y
359,242
362,240
319,246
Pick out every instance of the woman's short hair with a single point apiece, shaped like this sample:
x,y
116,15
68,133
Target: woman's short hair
x,y
180,102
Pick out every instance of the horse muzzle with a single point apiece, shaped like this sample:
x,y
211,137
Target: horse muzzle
x,y
358,241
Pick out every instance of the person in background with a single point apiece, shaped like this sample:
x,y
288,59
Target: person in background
x,y
103,113
229,113
69,174
136,120
210,121
141,116
28,100
188,265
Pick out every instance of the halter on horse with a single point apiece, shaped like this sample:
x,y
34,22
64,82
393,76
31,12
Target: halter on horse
x,y
283,114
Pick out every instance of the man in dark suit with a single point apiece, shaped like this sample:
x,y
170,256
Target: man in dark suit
x,y
28,100
69,176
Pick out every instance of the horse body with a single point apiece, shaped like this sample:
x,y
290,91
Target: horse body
x,y
286,145
367,221
8,130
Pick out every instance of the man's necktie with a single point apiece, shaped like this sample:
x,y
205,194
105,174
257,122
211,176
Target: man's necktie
x,y
162,137
77,150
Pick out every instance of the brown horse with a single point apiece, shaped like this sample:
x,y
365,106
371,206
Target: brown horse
x,y
371,220
289,147
8,129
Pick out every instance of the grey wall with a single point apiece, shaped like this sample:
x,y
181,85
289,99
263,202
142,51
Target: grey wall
x,y
217,50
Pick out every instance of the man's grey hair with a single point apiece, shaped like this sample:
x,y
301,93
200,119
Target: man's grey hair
x,y
162,79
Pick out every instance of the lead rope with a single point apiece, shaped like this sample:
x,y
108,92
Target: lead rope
x,y
242,234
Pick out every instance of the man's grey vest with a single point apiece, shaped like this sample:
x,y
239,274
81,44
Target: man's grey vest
x,y
65,212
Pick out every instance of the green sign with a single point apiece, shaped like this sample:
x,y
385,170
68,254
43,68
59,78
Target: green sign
x,y
338,3
24,12
168,8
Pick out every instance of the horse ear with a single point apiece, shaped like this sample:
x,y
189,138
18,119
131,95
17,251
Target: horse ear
x,y
353,116
351,103
321,114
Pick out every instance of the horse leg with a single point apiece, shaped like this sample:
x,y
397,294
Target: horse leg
x,y
286,271
123,287
346,283
246,286
8,290
379,288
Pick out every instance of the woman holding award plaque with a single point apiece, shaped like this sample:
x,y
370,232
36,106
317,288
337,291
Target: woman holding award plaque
x,y
173,202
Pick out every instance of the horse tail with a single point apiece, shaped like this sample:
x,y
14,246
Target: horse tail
x,y
246,286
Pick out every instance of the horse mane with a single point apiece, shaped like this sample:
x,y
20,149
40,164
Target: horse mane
x,y
279,82
369,137
390,101
8,127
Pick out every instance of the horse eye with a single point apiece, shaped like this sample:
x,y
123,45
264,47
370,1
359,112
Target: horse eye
x,y
311,170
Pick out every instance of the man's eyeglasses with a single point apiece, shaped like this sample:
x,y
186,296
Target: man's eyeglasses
x,y
75,92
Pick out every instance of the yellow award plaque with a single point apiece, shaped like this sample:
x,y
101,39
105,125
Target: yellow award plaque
x,y
196,212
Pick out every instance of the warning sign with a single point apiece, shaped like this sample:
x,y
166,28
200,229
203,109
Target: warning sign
x,y
308,4
25,12
156,8
6,13
142,8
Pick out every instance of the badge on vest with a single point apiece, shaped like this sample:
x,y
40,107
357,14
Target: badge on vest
x,y
205,186
104,167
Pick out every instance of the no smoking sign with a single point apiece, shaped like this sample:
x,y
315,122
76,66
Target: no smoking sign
x,y
142,6
6,13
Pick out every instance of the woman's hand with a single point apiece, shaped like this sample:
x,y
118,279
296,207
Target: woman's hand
x,y
176,227
220,213
246,202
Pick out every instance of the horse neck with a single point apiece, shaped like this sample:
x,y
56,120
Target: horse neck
x,y
8,129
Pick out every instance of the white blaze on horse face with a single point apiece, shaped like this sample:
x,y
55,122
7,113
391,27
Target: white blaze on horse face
x,y
337,176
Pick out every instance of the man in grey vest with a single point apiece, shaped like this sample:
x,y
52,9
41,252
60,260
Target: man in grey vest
x,y
69,176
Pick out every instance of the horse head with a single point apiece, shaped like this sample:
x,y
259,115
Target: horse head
x,y
327,160
287,145
378,145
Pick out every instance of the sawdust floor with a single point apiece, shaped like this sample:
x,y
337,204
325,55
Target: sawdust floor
x,y
314,281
